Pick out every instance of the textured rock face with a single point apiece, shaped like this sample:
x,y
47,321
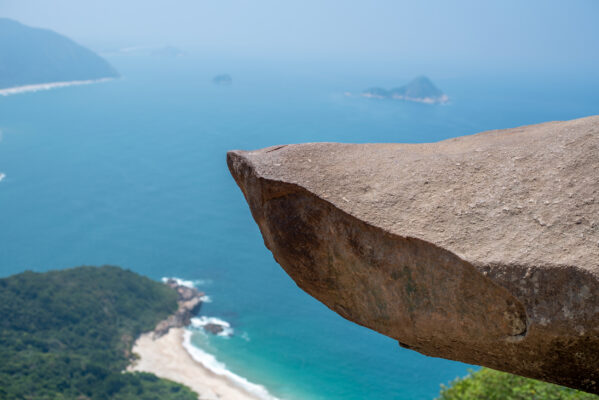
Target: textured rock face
x,y
189,302
482,249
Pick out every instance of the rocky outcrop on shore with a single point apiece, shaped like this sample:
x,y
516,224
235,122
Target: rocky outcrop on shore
x,y
482,249
189,303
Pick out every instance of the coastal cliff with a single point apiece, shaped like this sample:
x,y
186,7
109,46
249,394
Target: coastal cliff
x,y
482,249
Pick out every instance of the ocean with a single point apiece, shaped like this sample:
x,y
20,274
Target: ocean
x,y
132,172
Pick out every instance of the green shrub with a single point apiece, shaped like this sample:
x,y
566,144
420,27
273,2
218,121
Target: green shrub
x,y
489,384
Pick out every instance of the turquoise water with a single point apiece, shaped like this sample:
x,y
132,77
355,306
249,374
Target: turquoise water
x,y
132,173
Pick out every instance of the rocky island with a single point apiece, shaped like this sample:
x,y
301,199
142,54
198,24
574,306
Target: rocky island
x,y
482,248
420,90
222,79
34,59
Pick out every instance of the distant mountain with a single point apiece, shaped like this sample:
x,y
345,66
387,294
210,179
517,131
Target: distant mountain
x,y
420,90
30,56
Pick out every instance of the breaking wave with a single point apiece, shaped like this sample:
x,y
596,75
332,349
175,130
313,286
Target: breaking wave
x,y
186,283
211,363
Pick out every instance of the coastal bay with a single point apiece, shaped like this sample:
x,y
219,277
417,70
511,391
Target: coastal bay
x,y
167,357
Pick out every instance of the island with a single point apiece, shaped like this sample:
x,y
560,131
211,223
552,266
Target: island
x,y
222,79
34,59
420,90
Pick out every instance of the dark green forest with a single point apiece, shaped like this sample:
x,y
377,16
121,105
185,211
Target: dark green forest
x,y
68,335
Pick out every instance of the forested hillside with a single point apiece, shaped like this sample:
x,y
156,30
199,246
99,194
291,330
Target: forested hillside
x,y
68,334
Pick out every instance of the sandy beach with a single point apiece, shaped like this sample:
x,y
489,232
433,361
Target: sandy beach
x,y
167,358
47,86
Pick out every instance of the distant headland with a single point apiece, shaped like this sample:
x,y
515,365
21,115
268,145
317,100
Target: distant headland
x,y
420,90
34,59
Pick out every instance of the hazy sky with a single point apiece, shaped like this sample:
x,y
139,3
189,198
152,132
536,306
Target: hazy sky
x,y
516,34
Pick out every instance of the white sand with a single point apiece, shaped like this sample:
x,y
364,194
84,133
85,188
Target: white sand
x,y
167,358
47,86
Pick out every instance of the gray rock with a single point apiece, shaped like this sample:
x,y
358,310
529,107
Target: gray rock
x,y
189,302
481,249
215,329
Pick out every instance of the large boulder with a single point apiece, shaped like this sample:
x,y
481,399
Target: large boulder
x,y
482,248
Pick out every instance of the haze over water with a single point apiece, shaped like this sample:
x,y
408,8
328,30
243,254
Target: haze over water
x,y
132,172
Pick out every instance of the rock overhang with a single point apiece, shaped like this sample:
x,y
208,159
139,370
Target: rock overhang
x,y
483,248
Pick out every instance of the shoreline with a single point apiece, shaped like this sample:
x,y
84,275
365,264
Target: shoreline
x,y
168,357
442,100
47,86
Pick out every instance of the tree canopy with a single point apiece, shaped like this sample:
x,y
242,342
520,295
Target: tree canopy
x,y
68,335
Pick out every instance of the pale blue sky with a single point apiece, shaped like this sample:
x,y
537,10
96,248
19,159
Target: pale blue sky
x,y
507,34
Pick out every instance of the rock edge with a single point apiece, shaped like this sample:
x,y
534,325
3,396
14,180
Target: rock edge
x,y
482,249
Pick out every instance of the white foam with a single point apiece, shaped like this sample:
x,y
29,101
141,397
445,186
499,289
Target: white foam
x,y
245,336
2,176
180,282
47,86
211,363
189,283
202,321
206,299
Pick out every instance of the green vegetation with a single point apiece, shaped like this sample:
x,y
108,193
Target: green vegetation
x,y
489,384
68,335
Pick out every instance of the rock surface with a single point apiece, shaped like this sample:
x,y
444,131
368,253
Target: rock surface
x,y
189,302
215,329
482,249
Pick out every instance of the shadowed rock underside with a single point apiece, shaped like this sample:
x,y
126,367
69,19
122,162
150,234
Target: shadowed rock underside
x,y
482,249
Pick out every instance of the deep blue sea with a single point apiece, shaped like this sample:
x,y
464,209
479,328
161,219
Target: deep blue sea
x,y
132,172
